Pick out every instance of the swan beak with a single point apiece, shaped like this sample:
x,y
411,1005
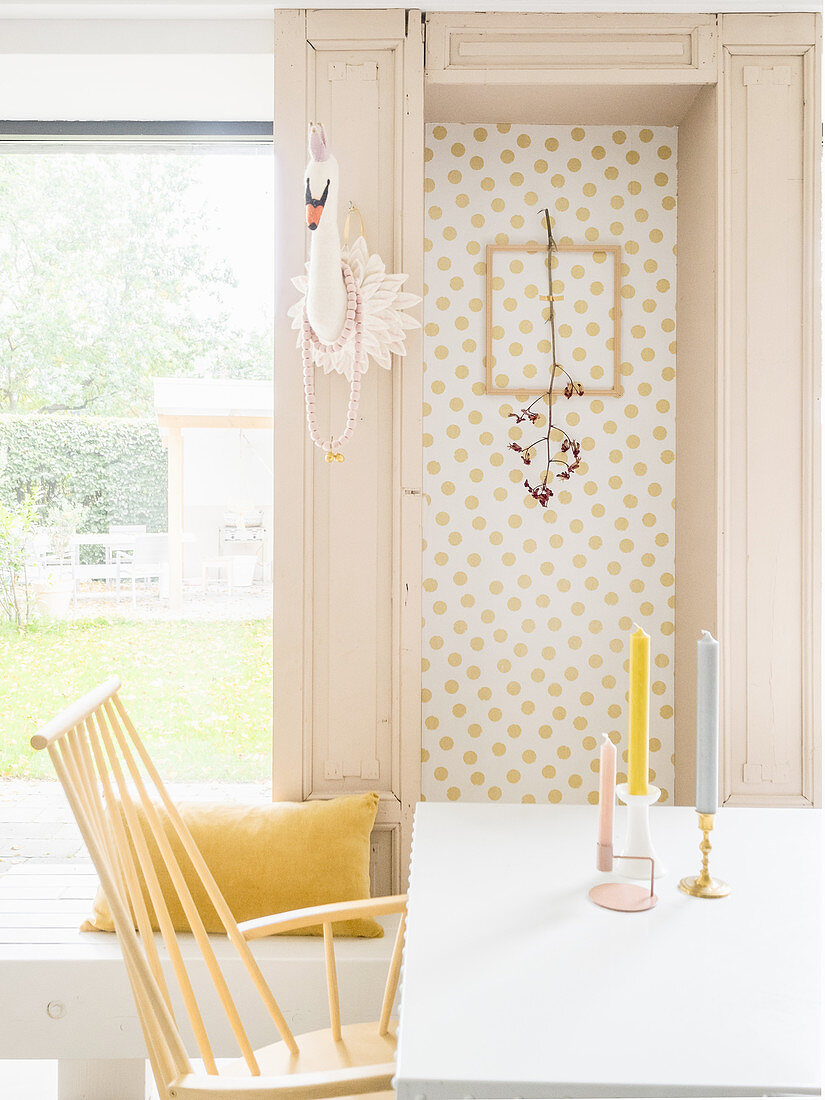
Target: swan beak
x,y
315,207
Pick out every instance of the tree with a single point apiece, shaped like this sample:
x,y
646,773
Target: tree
x,y
107,279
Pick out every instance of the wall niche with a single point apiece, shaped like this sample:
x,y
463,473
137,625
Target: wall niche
x,y
526,610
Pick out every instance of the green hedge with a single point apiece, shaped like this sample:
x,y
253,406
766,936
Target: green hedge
x,y
113,469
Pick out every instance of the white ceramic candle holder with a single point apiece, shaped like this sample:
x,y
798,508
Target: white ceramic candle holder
x,y
637,840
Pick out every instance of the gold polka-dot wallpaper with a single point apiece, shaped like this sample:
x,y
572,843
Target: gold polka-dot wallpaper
x,y
527,610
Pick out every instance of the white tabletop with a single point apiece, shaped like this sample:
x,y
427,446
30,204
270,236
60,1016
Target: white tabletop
x,y
516,985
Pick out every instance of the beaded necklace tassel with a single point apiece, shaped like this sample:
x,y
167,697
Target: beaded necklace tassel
x,y
352,330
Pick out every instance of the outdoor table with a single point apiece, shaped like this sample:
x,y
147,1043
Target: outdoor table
x,y
108,540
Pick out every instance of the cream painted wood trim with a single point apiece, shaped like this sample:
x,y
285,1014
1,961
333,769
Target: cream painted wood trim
x,y
307,569
696,447
788,28
292,657
371,27
769,36
577,49
409,399
812,443
769,760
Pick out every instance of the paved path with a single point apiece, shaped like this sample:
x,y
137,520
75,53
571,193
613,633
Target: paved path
x,y
254,602
36,823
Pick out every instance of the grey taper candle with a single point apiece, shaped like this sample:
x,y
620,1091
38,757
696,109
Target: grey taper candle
x,y
707,723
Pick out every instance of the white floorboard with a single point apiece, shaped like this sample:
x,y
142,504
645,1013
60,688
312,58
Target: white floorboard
x,y
37,1081
27,1080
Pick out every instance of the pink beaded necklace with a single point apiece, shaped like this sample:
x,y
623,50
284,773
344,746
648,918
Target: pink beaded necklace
x,y
310,343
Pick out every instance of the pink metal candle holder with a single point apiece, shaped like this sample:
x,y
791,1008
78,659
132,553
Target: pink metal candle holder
x,y
623,897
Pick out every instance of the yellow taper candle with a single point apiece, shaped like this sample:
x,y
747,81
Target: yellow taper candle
x,y
639,699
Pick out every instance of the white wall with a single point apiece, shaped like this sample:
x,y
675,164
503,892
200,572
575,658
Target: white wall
x,y
89,69
228,467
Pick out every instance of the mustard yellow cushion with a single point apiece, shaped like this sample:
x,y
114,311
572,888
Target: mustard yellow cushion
x,y
267,859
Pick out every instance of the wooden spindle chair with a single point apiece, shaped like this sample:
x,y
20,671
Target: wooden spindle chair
x,y
110,783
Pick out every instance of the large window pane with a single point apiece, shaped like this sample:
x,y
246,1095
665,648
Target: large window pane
x,y
130,272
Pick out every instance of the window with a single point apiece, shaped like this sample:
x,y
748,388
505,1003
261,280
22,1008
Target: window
x,y
136,289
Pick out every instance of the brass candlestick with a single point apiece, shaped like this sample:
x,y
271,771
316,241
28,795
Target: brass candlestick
x,y
702,885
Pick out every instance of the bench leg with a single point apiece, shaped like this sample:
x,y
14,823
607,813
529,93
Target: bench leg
x,y
104,1079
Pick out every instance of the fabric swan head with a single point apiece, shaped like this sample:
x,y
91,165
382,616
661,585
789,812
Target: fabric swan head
x,y
352,310
326,294
321,179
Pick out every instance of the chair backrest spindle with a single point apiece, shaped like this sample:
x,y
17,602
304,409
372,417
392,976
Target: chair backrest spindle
x,y
190,909
159,1029
137,839
210,886
134,892
332,983
394,974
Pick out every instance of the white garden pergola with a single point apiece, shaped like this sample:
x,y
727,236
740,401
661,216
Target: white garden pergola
x,y
199,403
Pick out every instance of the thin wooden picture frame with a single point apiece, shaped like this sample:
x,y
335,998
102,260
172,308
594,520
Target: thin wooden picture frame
x,y
531,248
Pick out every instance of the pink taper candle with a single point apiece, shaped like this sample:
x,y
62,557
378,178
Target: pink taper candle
x,y
607,797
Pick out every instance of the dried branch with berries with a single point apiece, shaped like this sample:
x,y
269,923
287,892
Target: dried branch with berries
x,y
559,450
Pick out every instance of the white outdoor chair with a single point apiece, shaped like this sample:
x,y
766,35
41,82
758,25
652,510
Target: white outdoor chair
x,y
217,571
148,561
46,557
128,532
108,778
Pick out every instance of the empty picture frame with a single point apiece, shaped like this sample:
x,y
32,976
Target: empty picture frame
x,y
588,294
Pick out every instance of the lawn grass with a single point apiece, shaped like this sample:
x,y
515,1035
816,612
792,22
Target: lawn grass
x,y
199,693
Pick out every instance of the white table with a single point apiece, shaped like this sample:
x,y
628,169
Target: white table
x,y
516,985
107,570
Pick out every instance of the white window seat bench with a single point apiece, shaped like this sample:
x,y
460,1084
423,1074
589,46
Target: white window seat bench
x,y
64,993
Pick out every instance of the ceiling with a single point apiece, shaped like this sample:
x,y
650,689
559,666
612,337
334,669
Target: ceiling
x,y
243,9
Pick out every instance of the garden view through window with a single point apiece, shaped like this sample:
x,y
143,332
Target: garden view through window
x,y
136,290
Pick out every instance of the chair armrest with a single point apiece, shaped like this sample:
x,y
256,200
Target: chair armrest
x,y
321,914
300,1086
